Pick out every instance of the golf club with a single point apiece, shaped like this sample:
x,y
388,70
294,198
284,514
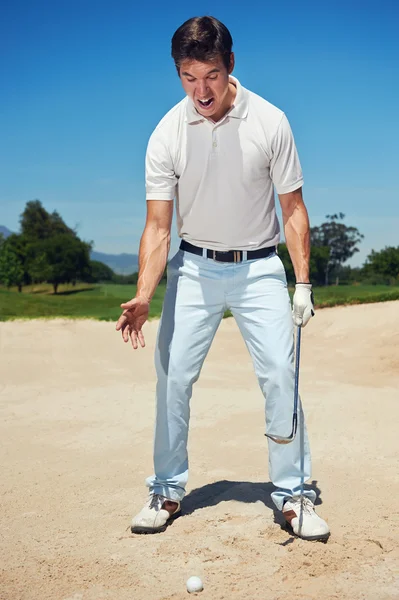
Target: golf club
x,y
287,440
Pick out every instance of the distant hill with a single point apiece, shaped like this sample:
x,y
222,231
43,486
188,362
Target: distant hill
x,y
123,264
5,231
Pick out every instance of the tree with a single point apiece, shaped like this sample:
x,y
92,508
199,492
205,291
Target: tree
x,y
286,260
319,256
341,240
52,251
318,260
35,221
100,272
11,267
384,263
68,259
37,224
37,264
131,279
57,225
18,244
350,275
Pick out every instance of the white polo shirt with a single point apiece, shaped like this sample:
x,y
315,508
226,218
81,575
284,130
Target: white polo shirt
x,y
222,174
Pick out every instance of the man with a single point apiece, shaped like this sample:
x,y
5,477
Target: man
x,y
219,152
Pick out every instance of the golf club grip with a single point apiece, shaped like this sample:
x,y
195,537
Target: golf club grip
x,y
297,357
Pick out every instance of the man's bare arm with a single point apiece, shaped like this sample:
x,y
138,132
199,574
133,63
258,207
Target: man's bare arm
x,y
297,232
153,255
154,246
297,237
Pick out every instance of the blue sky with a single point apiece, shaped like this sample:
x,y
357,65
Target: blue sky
x,y
84,82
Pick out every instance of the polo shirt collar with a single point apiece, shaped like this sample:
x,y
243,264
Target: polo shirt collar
x,y
239,109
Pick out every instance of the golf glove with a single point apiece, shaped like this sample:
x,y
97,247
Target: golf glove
x,y
303,308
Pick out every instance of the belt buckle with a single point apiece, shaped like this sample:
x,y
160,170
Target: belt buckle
x,y
217,255
237,256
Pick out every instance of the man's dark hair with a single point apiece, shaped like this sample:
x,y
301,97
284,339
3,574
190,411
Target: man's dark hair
x,y
202,39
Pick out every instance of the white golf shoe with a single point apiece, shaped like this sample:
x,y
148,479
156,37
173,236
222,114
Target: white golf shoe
x,y
157,513
300,514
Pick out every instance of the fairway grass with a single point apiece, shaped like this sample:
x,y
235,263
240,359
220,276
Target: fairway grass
x,y
102,302
354,294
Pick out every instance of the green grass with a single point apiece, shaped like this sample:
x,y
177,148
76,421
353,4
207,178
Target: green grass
x,y
102,302
336,295
82,301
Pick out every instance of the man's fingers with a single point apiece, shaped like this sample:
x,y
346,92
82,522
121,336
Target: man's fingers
x,y
141,338
121,322
133,339
297,319
127,306
129,323
307,315
125,331
130,304
135,336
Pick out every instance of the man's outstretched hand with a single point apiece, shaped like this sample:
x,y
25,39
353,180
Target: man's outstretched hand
x,y
135,314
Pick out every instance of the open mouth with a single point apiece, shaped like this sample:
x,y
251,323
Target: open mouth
x,y
208,103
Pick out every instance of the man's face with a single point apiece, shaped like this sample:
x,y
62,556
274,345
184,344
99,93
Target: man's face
x,y
207,84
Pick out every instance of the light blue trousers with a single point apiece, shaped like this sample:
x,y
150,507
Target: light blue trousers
x,y
198,292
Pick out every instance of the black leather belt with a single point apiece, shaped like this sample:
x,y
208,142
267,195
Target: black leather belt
x,y
230,255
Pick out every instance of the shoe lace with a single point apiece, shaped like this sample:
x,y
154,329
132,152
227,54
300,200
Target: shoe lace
x,y
305,504
155,501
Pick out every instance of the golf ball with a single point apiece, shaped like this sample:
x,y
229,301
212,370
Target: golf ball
x,y
194,584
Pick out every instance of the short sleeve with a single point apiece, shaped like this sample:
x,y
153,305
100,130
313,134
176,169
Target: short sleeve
x,y
285,168
160,178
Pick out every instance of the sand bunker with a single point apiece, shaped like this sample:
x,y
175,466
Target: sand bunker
x,y
77,409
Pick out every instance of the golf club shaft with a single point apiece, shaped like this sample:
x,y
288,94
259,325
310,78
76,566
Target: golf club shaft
x,y
286,440
297,358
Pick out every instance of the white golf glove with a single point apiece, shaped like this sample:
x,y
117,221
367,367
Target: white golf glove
x,y
302,309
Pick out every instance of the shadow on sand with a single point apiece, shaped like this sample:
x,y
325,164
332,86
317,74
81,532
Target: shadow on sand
x,y
240,491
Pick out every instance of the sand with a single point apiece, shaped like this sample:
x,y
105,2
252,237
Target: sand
x,y
77,409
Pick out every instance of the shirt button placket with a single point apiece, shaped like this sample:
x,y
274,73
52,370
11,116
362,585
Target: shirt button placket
x,y
214,140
